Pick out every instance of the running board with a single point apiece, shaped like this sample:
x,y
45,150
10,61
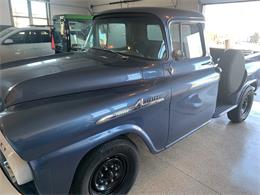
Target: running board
x,y
223,109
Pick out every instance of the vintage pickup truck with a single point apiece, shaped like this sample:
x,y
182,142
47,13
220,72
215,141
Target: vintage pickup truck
x,y
67,121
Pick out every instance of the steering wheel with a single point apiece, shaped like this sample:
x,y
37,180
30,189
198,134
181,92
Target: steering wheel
x,y
135,51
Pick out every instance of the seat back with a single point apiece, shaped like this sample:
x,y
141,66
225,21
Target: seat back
x,y
216,54
233,73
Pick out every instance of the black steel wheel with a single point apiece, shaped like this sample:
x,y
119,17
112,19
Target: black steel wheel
x,y
109,175
243,110
110,169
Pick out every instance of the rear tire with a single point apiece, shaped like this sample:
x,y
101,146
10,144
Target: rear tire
x,y
241,113
109,169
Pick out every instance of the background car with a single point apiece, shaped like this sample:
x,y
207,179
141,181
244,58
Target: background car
x,y
24,43
3,27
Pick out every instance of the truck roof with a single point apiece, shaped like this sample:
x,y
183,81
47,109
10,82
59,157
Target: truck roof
x,y
163,13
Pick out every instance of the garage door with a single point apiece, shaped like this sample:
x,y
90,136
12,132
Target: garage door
x,y
233,25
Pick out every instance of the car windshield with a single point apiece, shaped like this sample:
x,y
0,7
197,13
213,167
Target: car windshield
x,y
6,31
139,36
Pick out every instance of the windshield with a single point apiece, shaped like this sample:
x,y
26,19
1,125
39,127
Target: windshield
x,y
6,31
139,36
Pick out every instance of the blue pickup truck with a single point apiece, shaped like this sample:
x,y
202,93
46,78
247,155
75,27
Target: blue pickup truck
x,y
67,121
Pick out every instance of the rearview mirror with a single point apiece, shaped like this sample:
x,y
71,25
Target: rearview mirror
x,y
9,41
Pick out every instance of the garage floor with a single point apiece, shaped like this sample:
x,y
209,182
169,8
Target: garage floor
x,y
221,158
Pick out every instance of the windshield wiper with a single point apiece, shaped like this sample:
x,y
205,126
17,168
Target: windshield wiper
x,y
113,52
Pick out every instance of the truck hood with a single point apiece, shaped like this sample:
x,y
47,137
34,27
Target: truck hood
x,y
73,73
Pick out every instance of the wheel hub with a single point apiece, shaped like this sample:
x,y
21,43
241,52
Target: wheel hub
x,y
245,105
109,175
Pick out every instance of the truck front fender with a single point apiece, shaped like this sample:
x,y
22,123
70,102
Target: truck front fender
x,y
54,173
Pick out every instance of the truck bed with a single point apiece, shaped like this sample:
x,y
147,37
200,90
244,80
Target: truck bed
x,y
252,62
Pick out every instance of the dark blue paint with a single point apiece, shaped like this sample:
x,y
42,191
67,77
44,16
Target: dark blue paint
x,y
56,103
194,92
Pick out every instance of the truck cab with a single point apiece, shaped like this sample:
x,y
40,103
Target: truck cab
x,y
144,72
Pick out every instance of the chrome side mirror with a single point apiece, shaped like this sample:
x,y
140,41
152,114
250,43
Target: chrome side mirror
x,y
178,55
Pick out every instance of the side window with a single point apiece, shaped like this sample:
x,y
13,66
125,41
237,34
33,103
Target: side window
x,y
176,38
38,36
45,36
154,33
186,40
19,38
33,37
191,41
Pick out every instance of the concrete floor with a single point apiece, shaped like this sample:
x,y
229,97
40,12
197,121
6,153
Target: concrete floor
x,y
221,158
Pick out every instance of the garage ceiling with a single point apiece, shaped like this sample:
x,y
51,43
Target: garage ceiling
x,y
222,1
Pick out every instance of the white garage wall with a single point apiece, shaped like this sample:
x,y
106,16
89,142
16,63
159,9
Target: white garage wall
x,y
69,7
5,17
57,7
82,6
182,4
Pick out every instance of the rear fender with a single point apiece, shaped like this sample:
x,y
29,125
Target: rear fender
x,y
249,84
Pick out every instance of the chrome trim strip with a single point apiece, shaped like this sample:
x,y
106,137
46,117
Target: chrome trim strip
x,y
138,105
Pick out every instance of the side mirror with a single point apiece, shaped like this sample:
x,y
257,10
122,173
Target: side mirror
x,y
9,41
178,55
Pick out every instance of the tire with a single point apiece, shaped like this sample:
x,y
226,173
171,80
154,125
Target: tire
x,y
241,113
109,169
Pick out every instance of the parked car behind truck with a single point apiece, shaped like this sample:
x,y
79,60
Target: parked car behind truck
x,y
3,27
145,72
24,43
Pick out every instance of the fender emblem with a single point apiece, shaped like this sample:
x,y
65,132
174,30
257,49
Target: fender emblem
x,y
138,105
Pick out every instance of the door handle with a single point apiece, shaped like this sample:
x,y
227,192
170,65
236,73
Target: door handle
x,y
208,64
170,70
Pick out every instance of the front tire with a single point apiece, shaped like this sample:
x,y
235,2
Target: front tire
x,y
109,169
241,113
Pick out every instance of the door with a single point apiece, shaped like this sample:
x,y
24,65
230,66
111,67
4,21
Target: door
x,y
27,44
15,50
33,47
44,43
38,44
194,81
